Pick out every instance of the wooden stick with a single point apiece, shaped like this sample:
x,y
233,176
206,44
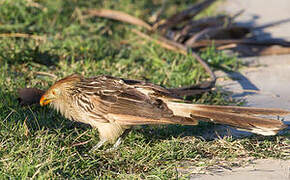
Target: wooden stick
x,y
119,16
227,46
186,14
163,44
46,74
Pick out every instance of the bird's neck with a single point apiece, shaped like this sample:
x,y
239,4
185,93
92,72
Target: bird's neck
x,y
63,107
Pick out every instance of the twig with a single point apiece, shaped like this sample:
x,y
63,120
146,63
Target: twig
x,y
120,16
194,89
46,74
232,32
194,38
227,46
21,35
186,14
163,44
206,67
200,24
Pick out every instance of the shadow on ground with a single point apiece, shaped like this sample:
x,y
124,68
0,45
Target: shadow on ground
x,y
29,54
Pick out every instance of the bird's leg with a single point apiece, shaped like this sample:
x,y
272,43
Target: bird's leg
x,y
119,141
100,144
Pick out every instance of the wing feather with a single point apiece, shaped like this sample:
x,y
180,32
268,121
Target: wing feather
x,y
132,103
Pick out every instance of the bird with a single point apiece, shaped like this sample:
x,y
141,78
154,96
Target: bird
x,y
114,105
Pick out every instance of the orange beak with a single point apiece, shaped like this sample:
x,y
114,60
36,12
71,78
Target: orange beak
x,y
43,101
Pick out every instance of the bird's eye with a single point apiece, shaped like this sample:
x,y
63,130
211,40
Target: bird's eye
x,y
53,92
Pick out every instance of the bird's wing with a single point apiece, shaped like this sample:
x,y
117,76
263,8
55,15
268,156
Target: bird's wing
x,y
130,103
154,90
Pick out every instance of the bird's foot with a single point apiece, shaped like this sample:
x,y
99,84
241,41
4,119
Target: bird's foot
x,y
115,146
100,144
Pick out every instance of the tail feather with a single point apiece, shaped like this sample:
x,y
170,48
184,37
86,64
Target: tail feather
x,y
244,110
238,117
254,124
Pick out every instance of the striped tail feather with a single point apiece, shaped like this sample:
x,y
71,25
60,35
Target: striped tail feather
x,y
242,118
245,110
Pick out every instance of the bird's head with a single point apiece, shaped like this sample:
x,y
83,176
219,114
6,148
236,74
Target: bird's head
x,y
59,89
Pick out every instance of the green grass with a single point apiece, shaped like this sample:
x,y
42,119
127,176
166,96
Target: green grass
x,y
36,142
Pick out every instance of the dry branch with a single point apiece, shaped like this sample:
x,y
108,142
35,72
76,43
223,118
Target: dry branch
x,y
195,26
186,14
119,16
163,44
205,32
46,74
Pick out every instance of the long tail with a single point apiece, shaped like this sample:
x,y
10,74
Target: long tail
x,y
244,118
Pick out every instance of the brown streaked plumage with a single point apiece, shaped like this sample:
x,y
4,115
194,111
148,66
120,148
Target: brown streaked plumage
x,y
113,105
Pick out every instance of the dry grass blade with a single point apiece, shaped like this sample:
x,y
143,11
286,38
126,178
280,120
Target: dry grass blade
x,y
81,143
119,16
186,14
22,35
